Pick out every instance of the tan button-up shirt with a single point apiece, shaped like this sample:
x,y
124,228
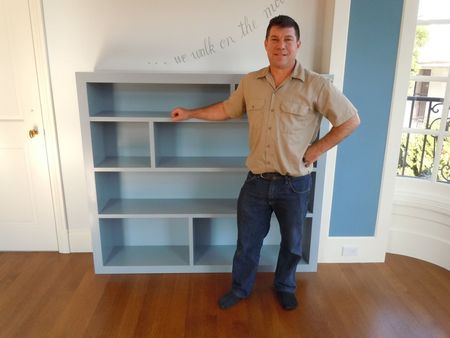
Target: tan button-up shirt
x,y
285,120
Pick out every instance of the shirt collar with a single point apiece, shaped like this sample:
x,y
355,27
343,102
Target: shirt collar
x,y
297,73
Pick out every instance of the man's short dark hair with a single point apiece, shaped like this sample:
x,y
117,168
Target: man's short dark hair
x,y
283,21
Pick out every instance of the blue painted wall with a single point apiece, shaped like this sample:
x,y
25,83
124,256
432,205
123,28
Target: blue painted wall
x,y
369,75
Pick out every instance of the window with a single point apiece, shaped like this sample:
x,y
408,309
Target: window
x,y
425,143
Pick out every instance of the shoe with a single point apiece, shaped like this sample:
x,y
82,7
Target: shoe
x,y
228,300
287,300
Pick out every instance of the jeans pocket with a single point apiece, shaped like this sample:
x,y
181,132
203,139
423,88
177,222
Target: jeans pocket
x,y
300,185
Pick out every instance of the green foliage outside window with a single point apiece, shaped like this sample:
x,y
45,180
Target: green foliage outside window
x,y
420,153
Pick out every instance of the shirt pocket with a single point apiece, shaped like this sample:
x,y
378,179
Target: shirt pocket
x,y
293,116
255,115
255,105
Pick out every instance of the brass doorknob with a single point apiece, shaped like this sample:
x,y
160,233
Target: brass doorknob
x,y
33,132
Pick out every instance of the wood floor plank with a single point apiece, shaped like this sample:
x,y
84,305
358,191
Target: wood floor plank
x,y
132,306
54,295
68,274
23,300
80,308
201,313
421,296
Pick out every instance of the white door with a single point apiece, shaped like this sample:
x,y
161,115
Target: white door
x,y
27,221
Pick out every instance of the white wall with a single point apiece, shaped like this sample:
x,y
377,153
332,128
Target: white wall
x,y
138,35
421,221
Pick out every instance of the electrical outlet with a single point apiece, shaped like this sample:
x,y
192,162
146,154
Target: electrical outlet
x,y
349,251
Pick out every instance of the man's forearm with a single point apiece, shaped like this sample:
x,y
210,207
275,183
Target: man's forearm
x,y
214,112
332,138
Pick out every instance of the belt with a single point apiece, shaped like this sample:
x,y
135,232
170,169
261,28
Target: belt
x,y
271,176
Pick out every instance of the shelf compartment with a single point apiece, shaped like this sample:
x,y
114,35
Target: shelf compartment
x,y
167,191
157,97
221,257
120,144
214,240
201,145
215,243
144,242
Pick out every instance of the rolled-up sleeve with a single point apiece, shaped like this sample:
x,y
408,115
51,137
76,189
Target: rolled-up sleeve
x,y
332,104
235,104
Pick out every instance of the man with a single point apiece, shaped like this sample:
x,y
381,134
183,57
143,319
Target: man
x,y
284,104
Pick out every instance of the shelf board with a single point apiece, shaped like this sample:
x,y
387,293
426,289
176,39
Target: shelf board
x,y
141,208
146,116
129,115
148,256
172,164
222,255
175,259
150,208
209,162
122,162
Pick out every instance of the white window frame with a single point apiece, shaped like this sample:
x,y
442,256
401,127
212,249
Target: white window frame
x,y
397,191
441,134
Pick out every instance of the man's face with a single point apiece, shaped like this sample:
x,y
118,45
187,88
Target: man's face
x,y
281,47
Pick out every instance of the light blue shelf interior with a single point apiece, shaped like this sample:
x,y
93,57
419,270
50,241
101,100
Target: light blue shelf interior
x,y
130,193
142,242
208,144
121,144
160,98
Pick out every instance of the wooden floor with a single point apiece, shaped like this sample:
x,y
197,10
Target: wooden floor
x,y
57,295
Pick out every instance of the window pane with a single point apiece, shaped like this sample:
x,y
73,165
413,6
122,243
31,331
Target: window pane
x,y
416,155
444,165
431,54
424,105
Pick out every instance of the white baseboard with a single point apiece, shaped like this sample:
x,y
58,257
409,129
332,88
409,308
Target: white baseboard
x,y
363,250
421,222
418,245
80,240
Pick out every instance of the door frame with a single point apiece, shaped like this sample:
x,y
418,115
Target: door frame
x,y
49,123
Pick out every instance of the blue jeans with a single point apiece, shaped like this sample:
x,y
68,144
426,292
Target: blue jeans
x,y
258,199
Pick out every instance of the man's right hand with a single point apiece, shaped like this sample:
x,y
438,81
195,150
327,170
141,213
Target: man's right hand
x,y
180,114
